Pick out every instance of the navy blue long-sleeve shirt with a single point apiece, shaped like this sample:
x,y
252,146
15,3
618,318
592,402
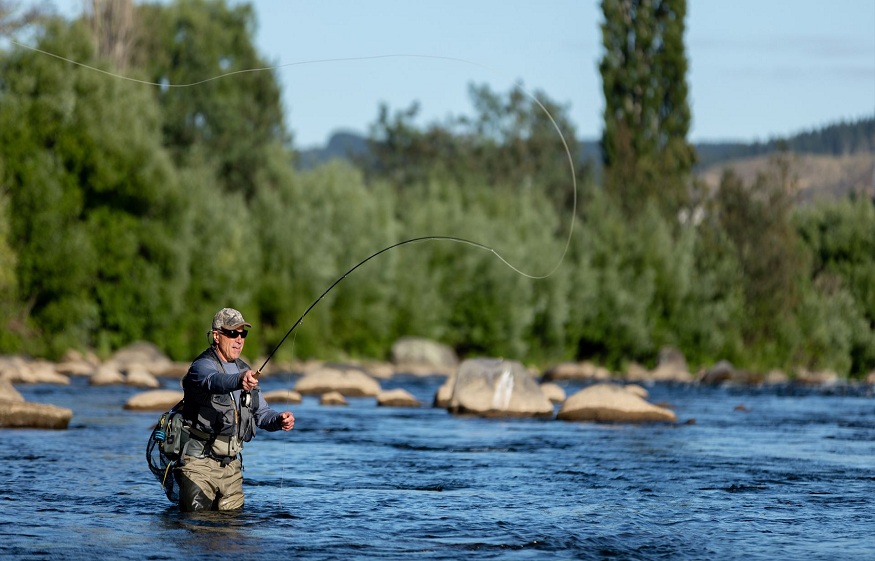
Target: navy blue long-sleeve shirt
x,y
204,377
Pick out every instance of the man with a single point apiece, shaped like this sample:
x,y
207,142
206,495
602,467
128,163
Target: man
x,y
222,408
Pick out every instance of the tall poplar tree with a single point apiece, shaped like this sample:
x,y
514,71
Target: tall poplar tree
x,y
645,151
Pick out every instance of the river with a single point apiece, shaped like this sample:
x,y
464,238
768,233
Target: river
x,y
747,473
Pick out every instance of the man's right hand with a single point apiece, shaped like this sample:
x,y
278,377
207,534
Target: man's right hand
x,y
249,380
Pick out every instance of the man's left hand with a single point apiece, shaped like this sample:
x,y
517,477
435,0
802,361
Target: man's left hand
x,y
288,420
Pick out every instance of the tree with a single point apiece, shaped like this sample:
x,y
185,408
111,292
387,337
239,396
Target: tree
x,y
646,156
13,19
229,122
93,199
113,31
757,220
841,237
512,140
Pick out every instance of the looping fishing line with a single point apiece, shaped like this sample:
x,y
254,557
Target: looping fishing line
x,y
395,245
425,238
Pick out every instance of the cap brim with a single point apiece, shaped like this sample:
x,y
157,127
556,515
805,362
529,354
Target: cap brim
x,y
238,326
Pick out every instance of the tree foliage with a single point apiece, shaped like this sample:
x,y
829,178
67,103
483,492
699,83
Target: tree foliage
x,y
646,156
220,100
130,211
841,237
519,139
92,196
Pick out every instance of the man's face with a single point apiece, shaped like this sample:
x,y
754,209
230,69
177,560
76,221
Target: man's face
x,y
229,343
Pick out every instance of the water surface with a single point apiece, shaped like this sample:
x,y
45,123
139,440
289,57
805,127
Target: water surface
x,y
788,475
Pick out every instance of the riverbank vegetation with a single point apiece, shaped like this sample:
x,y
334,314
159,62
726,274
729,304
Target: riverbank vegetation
x,y
133,212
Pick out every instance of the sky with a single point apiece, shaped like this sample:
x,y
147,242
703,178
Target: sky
x,y
758,69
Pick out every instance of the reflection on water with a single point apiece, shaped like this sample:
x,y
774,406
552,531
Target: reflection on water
x,y
788,475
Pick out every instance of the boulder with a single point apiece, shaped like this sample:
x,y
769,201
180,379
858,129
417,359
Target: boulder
x,y
725,373
636,373
397,398
139,352
88,357
637,390
141,378
444,393
17,370
146,356
497,388
171,370
670,374
154,400
346,381
672,358
107,375
9,393
585,370
554,392
671,368
24,414
610,403
75,367
332,398
819,378
282,396
379,370
413,353
776,377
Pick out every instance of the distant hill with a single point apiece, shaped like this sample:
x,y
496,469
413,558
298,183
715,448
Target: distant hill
x,y
344,145
816,176
831,161
841,139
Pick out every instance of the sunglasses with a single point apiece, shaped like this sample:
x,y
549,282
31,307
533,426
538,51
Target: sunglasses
x,y
233,334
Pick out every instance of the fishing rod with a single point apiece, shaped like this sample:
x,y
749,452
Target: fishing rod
x,y
458,240
368,258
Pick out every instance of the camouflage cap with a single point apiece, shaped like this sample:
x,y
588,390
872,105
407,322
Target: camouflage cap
x,y
229,318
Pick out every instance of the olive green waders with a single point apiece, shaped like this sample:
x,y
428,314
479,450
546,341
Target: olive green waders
x,y
205,484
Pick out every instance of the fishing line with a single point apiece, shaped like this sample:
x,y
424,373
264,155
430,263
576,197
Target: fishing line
x,y
451,239
243,71
462,241
405,242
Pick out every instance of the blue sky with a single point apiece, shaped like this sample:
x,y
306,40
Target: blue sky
x,y
758,68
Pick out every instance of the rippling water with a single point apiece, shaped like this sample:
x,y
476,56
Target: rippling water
x,y
787,476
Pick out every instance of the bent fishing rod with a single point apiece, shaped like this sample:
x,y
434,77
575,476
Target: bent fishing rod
x,y
368,258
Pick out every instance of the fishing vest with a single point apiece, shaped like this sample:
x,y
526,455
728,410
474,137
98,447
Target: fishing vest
x,y
219,416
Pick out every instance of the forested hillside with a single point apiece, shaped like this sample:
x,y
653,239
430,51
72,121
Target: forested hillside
x,y
132,210
842,150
